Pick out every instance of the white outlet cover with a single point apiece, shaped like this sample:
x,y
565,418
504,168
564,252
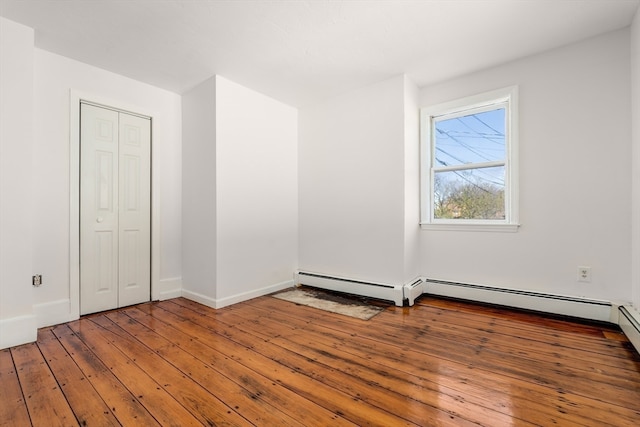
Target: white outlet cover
x,y
584,274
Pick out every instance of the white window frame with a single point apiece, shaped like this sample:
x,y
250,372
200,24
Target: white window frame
x,y
484,101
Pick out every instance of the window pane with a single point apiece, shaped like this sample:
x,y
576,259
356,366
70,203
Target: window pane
x,y
472,138
469,194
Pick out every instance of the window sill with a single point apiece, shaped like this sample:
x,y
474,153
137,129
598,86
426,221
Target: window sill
x,y
502,228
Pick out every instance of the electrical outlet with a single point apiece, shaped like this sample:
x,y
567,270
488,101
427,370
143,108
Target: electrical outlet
x,y
584,274
36,280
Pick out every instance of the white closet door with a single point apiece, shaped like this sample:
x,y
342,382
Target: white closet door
x,y
114,209
135,207
98,209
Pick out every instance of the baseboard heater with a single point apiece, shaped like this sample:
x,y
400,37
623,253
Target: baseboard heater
x,y
549,303
629,322
353,286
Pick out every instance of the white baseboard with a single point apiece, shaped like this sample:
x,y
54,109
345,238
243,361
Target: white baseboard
x,y
234,299
18,330
629,321
199,298
53,313
170,288
347,285
245,296
584,308
174,293
413,290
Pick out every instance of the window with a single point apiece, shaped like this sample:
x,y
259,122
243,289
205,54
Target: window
x,y
469,176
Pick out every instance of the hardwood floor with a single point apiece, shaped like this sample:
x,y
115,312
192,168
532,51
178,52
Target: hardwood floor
x,y
269,362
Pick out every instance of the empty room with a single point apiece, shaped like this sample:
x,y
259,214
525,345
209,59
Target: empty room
x,y
320,212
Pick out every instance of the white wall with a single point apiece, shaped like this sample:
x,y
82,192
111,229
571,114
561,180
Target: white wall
x,y
411,181
240,193
635,129
351,178
199,215
575,176
257,197
55,76
17,322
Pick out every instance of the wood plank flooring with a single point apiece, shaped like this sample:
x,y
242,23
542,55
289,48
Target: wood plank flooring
x,y
268,362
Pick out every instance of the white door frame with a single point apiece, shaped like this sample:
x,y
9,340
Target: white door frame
x,y
75,97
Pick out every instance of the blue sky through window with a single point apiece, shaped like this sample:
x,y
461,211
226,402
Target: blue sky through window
x,y
472,138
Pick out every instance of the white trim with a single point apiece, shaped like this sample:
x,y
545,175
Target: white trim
x,y
174,293
74,193
53,313
629,321
585,308
199,298
170,288
245,296
489,99
18,330
234,299
465,226
482,101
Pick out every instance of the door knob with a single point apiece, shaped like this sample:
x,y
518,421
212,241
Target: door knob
x,y
99,219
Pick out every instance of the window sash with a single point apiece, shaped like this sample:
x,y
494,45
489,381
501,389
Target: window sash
x,y
473,109
469,166
432,203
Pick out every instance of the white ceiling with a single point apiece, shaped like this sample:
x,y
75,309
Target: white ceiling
x,y
299,51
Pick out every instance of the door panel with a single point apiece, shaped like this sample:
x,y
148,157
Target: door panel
x,y
103,276
104,181
131,183
115,209
135,209
98,209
